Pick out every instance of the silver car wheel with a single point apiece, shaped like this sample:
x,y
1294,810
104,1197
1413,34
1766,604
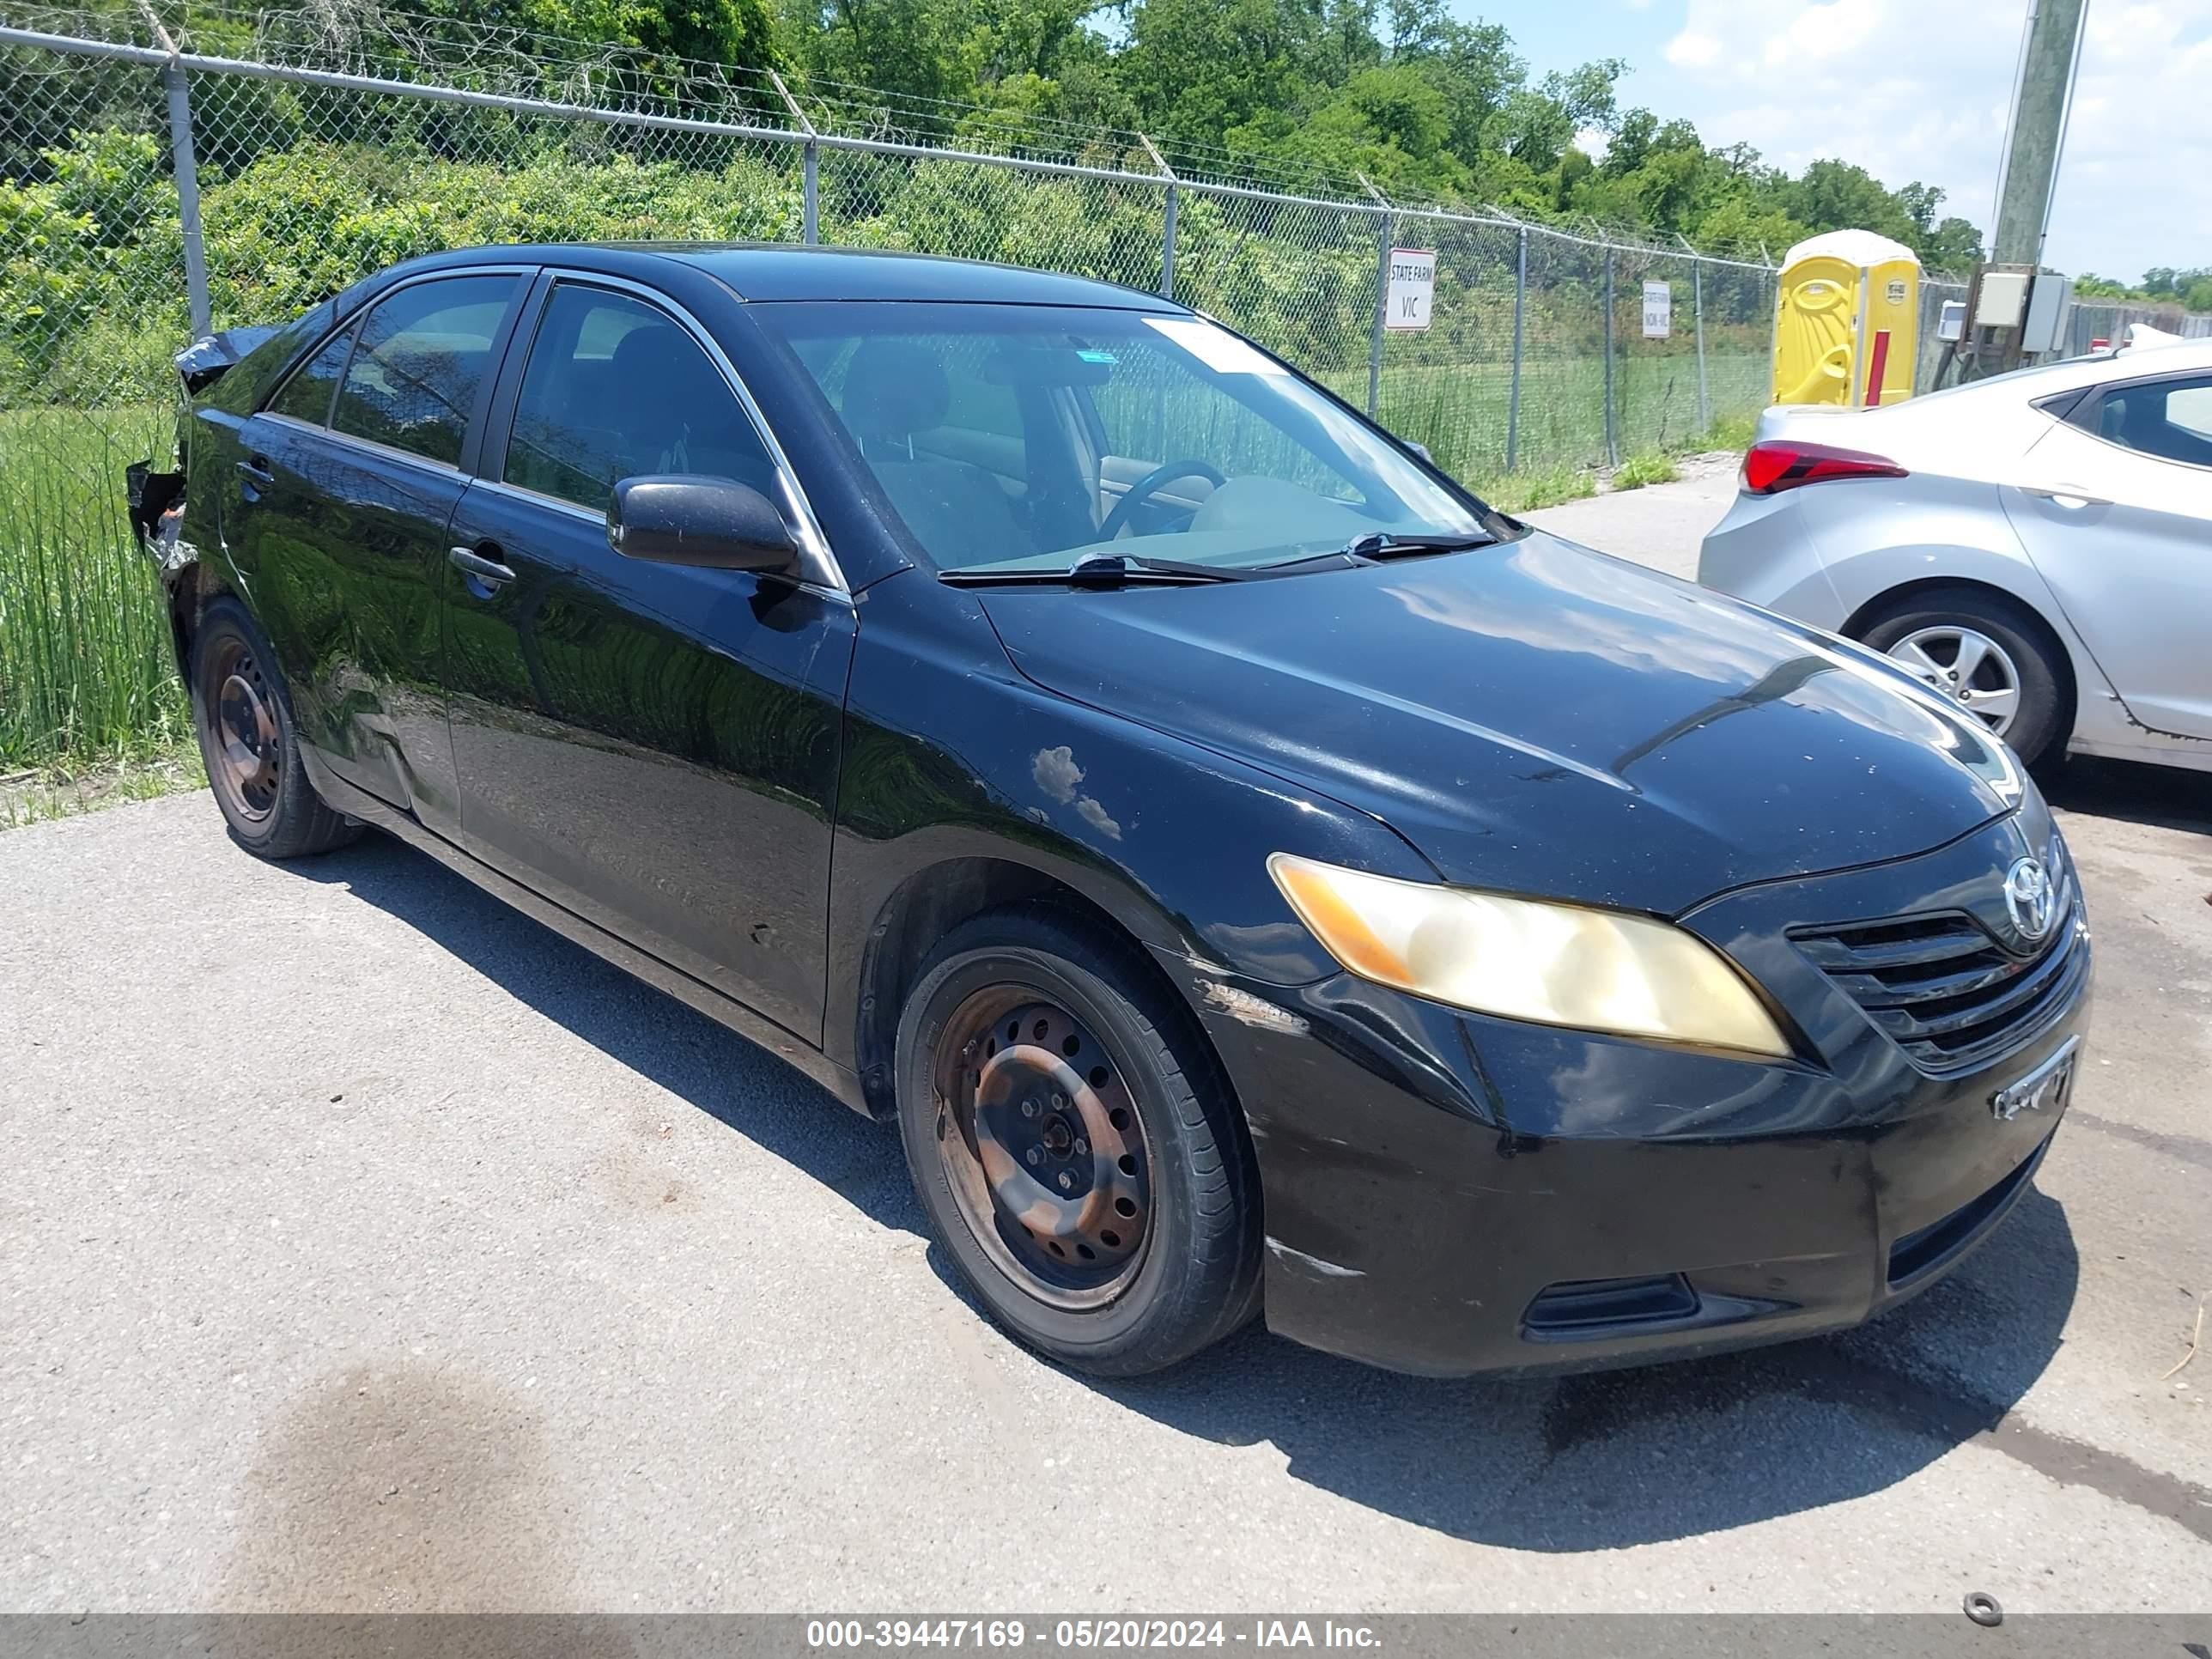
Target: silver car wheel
x,y
1968,667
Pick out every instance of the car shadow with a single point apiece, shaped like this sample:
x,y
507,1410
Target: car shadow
x,y
1612,1459
2165,796
1562,1464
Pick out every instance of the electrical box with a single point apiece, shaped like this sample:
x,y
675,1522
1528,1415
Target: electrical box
x,y
2001,297
1952,323
2049,300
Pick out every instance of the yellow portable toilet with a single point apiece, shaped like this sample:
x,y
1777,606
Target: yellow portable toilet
x,y
1846,321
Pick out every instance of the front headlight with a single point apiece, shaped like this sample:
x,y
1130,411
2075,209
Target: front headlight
x,y
1557,964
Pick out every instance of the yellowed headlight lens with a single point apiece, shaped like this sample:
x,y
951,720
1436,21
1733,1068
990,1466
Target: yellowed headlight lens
x,y
1556,965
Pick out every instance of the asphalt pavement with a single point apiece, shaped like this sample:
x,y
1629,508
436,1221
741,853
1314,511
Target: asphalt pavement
x,y
364,1246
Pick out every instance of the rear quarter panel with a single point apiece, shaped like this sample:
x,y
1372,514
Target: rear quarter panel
x,y
1875,540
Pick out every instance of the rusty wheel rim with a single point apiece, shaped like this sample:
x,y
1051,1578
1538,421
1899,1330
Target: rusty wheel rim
x,y
1042,1147
246,760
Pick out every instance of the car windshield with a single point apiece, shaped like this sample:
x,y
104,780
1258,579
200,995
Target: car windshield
x,y
1021,438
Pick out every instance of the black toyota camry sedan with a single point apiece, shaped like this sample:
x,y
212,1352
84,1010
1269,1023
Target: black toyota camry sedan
x,y
1257,877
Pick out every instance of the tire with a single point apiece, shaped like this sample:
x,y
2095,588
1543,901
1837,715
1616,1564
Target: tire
x,y
2024,652
242,713
1132,1114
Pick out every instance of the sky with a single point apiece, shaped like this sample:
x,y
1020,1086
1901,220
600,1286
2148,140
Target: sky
x,y
1918,90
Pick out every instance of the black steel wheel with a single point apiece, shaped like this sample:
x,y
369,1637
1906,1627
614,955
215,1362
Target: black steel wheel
x,y
246,760
1040,1148
1072,1139
243,715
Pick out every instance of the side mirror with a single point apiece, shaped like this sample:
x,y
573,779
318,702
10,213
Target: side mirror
x,y
717,524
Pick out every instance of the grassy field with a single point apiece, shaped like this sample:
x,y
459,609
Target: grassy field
x,y
1460,412
85,673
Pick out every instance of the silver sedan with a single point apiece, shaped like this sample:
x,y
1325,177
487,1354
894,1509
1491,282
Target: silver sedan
x,y
2038,546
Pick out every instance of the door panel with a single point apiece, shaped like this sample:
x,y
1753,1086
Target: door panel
x,y
344,546
653,747
349,480
2125,541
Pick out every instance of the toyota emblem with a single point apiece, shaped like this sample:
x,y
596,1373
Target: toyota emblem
x,y
2029,899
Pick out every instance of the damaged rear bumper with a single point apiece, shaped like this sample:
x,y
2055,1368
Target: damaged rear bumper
x,y
155,503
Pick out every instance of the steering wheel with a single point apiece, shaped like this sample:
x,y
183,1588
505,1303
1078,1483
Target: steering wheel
x,y
1146,486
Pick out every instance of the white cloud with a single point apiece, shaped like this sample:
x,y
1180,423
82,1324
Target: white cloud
x,y
1694,50
1920,91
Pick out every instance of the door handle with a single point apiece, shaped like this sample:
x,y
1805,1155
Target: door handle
x,y
490,573
253,472
2065,494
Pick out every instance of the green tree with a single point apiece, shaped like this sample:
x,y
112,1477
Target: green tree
x,y
1843,195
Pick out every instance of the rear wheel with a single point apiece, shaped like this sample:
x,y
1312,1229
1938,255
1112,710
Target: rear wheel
x,y
243,715
1988,656
1073,1143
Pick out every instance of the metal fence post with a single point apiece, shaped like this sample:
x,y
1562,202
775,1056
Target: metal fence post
x,y
1167,219
1612,443
187,163
1382,310
1382,293
1698,308
810,175
1166,247
1520,310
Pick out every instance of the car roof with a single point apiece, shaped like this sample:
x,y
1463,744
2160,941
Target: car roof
x,y
2179,355
2061,375
770,273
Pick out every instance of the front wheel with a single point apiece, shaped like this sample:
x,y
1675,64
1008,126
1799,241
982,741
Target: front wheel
x,y
1072,1141
243,715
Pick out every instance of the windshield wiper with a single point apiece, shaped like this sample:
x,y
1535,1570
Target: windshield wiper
x,y
1100,570
1378,545
1388,545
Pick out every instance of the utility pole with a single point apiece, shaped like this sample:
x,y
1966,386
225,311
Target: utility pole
x,y
2051,52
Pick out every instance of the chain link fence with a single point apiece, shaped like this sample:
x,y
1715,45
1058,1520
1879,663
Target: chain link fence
x,y
149,191
2108,320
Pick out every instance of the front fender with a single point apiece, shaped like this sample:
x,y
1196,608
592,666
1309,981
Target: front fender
x,y
950,755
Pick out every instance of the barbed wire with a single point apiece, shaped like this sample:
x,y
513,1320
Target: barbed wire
x,y
362,37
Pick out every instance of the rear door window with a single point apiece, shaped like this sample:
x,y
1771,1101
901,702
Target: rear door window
x,y
423,358
2170,419
614,388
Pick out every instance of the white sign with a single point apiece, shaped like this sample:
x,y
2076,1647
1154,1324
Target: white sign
x,y
1413,289
1658,311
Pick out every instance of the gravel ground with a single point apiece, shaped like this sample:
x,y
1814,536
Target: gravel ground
x,y
364,1246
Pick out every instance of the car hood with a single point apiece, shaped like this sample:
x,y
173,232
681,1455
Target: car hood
x,y
1535,717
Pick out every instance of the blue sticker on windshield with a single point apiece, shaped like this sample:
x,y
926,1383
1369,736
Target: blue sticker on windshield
x,y
1092,354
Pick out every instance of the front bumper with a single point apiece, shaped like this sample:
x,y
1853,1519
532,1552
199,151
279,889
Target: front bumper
x,y
1450,1193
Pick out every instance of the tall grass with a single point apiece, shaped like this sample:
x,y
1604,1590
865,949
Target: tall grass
x,y
86,671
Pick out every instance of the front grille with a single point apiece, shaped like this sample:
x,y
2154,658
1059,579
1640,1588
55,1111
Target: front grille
x,y
1948,993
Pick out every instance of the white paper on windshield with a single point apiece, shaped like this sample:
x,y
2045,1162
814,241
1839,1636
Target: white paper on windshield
x,y
1217,348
